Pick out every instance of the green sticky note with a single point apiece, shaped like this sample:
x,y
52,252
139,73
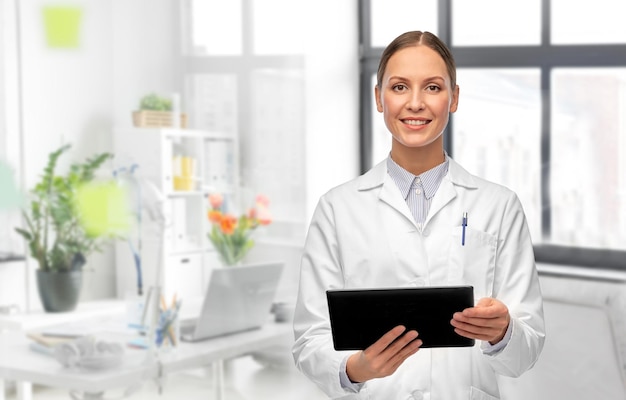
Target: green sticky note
x,y
62,26
10,197
104,208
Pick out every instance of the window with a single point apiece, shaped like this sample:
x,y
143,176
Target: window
x,y
574,22
588,187
388,17
517,23
553,82
245,77
505,149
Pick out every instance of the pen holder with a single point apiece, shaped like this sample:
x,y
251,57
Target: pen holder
x,y
167,331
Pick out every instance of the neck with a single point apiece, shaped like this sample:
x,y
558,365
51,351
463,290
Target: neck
x,y
417,160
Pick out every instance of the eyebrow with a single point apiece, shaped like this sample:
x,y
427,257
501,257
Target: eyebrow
x,y
431,78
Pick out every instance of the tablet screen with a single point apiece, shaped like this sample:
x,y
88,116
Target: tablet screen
x,y
359,317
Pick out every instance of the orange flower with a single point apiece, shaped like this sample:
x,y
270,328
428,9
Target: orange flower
x,y
228,223
231,236
215,216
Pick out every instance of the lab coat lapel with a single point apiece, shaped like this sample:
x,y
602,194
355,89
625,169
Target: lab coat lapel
x,y
445,194
391,195
456,177
389,192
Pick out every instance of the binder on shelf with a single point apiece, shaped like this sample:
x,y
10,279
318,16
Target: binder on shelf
x,y
219,163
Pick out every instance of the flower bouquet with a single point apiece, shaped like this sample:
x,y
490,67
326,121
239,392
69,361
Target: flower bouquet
x,y
231,236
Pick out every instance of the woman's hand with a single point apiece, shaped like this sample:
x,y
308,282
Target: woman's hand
x,y
487,321
384,356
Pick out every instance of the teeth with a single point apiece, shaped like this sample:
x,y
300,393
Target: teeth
x,y
415,122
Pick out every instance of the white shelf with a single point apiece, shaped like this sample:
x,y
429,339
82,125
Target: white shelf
x,y
186,252
187,193
176,133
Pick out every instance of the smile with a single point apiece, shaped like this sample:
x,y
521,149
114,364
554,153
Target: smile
x,y
415,122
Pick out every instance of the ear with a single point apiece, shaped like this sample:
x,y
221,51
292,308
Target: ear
x,y
454,104
379,103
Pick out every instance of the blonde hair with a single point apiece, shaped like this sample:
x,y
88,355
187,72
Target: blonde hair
x,y
416,38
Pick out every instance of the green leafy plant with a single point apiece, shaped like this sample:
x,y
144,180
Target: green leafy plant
x,y
154,102
55,236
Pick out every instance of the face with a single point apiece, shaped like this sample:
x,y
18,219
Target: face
x,y
416,98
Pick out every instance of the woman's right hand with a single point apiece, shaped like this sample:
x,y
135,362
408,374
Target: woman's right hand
x,y
384,356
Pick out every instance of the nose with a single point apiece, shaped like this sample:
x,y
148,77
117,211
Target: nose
x,y
415,101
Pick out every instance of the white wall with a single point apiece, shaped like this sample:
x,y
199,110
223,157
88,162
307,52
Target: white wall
x,y
67,93
145,52
78,95
3,40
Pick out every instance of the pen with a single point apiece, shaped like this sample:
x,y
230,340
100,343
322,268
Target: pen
x,y
464,225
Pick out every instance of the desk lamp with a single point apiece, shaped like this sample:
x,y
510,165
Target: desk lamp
x,y
147,197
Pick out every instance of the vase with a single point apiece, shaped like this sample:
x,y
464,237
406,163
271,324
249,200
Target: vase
x,y
232,257
59,288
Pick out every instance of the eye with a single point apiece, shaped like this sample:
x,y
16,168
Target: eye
x,y
433,88
399,87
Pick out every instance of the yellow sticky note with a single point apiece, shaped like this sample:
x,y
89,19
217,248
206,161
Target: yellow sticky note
x,y
104,208
62,26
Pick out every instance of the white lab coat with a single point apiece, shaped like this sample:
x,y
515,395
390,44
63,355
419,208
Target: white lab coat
x,y
363,235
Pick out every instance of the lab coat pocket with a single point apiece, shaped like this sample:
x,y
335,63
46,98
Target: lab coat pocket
x,y
471,260
477,394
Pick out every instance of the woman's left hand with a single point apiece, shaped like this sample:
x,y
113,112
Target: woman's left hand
x,y
487,321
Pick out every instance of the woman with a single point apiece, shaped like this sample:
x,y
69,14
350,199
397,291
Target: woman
x,y
400,225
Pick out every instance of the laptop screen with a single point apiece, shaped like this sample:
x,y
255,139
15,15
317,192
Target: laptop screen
x,y
237,299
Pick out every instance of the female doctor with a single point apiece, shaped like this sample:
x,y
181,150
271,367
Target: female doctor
x,y
401,225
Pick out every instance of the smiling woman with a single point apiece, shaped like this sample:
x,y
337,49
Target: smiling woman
x,y
416,94
438,225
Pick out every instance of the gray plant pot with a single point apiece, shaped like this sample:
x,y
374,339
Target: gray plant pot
x,y
59,291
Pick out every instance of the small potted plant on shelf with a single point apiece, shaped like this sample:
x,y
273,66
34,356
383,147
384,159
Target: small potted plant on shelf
x,y
55,235
231,236
156,112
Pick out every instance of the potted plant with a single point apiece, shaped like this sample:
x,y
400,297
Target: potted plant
x,y
54,233
156,111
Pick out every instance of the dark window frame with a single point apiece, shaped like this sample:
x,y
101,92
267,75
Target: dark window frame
x,y
544,57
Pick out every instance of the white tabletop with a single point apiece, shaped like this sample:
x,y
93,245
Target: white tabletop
x,y
19,362
38,319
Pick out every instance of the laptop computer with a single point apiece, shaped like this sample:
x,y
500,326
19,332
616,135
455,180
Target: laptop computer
x,y
359,317
237,299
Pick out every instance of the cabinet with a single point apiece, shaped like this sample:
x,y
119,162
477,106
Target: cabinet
x,y
173,171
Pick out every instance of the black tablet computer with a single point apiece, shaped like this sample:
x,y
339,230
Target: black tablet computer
x,y
359,317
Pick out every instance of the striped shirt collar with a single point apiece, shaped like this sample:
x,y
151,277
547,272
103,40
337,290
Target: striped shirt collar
x,y
430,179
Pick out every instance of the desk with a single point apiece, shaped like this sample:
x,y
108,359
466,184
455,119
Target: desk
x,y
40,319
21,364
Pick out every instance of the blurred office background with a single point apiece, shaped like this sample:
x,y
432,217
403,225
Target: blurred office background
x,y
542,110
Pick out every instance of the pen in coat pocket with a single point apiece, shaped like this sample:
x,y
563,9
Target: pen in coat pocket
x,y
464,225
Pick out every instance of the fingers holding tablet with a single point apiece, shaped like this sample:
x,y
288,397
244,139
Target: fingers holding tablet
x,y
384,356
